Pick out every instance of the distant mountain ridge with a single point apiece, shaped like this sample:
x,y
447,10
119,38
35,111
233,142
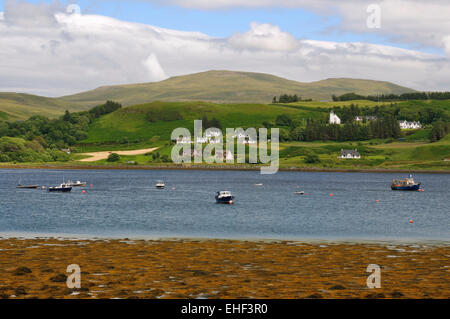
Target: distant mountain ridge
x,y
231,87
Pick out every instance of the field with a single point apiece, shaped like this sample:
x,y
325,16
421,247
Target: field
x,y
14,106
132,123
150,125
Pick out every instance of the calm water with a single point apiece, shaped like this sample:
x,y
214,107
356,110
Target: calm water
x,y
126,204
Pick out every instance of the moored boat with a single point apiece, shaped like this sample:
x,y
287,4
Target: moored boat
x,y
224,197
406,184
28,186
160,185
76,184
63,188
20,186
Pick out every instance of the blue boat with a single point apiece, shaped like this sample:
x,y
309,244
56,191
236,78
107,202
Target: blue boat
x,y
224,197
406,184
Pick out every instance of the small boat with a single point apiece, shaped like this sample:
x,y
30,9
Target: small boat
x,y
259,184
63,188
160,185
406,184
224,197
20,186
28,186
300,193
76,184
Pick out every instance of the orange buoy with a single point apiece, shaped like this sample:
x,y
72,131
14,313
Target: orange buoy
x,y
377,201
231,202
411,221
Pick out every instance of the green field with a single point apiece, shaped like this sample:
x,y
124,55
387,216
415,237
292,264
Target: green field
x,y
231,87
15,106
132,123
130,128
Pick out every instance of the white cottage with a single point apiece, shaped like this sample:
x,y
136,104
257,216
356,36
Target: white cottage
x,y
334,119
405,125
350,154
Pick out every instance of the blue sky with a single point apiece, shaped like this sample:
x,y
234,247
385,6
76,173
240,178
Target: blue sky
x,y
49,52
302,24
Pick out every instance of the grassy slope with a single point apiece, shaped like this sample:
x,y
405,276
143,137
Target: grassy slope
x,y
18,106
131,122
230,87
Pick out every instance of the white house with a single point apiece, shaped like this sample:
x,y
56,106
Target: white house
x,y
334,119
367,118
210,134
184,140
405,125
201,140
352,154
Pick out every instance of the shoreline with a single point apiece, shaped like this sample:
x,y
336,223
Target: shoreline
x,y
155,238
220,269
215,168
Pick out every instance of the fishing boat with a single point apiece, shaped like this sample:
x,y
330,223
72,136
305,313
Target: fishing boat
x,y
20,186
63,188
76,184
406,184
160,185
224,197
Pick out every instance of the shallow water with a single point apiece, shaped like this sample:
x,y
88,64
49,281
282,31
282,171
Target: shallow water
x,y
127,204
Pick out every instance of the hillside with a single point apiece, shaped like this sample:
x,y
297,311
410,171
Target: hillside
x,y
140,123
18,106
230,87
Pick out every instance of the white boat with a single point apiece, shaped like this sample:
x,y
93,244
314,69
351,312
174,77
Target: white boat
x,y
160,185
300,193
76,184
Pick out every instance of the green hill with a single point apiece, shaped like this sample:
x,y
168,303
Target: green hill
x,y
140,123
230,87
19,106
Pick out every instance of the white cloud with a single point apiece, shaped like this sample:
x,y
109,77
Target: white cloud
x,y
425,23
264,37
65,53
155,70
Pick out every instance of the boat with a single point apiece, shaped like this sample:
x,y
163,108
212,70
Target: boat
x,y
76,184
20,186
160,185
406,184
28,186
63,188
300,193
224,197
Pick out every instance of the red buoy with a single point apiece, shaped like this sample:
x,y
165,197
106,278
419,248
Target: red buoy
x,y
83,191
411,221
331,195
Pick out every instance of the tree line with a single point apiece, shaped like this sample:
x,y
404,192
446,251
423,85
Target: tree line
x,y
286,98
394,97
58,133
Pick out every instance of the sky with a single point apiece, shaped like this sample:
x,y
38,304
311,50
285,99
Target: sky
x,y
55,48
